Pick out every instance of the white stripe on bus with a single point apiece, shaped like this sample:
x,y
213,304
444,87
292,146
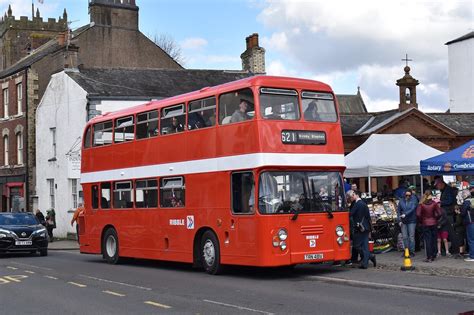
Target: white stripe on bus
x,y
227,163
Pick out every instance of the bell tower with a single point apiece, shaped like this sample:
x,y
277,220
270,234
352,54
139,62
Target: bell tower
x,y
114,13
407,86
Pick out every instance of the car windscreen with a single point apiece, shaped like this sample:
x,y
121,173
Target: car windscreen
x,y
18,219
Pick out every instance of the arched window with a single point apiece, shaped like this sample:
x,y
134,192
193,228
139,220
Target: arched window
x,y
19,148
407,96
5,150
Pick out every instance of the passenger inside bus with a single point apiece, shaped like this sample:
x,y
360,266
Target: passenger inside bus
x,y
176,126
241,113
195,121
311,113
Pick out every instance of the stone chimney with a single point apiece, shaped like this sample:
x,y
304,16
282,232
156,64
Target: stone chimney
x,y
114,13
253,58
407,86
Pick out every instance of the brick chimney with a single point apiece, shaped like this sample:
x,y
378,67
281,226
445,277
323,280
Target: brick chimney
x,y
114,13
407,86
253,58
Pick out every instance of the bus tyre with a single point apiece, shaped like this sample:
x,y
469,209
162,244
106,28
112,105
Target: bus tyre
x,y
210,253
110,247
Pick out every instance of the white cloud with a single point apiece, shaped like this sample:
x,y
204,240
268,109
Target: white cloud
x,y
368,37
193,43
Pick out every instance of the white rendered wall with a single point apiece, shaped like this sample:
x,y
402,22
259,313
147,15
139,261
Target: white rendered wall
x,y
461,76
64,107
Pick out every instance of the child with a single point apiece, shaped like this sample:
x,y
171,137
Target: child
x,y
443,233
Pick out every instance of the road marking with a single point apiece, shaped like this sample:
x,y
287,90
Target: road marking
x,y
12,278
115,282
30,272
393,286
31,266
114,293
77,284
51,277
12,268
238,307
157,304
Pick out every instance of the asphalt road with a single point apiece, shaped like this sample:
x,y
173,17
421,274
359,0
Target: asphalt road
x,y
67,282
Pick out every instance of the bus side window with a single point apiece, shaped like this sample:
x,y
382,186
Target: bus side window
x,y
123,195
124,129
243,193
202,113
147,124
87,138
173,119
146,193
95,196
172,192
102,133
105,189
230,110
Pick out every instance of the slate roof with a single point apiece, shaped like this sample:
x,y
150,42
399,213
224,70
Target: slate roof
x,y
462,38
462,123
149,83
351,104
359,124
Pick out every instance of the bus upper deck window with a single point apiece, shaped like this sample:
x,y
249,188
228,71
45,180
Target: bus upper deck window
x,y
279,104
173,119
124,129
202,113
236,107
318,106
87,138
147,124
102,133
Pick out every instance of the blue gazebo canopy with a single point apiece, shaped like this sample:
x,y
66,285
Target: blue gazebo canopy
x,y
459,161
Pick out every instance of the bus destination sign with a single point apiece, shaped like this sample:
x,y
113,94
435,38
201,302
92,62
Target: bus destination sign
x,y
303,137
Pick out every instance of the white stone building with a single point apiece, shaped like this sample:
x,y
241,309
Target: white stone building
x,y
461,74
75,96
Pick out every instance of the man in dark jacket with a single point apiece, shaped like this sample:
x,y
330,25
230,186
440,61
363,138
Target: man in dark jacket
x,y
448,201
360,215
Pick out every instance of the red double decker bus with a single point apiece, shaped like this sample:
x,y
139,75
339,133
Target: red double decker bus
x,y
244,173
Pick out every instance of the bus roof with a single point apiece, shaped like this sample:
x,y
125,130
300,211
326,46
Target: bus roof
x,y
261,80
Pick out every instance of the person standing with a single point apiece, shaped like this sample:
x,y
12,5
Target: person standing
x,y
360,216
448,201
467,213
50,223
79,211
428,213
406,214
40,217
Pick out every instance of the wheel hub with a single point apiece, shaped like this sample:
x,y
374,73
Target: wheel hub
x,y
111,246
209,253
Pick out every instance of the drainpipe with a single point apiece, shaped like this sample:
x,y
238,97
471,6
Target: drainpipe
x,y
27,160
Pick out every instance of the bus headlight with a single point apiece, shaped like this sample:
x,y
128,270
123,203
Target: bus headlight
x,y
276,241
340,240
339,230
283,245
282,234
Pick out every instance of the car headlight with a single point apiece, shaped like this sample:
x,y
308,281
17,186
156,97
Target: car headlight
x,y
4,233
39,231
339,230
282,234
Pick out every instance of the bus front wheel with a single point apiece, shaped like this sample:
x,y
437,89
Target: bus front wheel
x,y
110,246
210,253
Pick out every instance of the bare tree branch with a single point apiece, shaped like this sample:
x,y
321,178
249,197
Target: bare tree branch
x,y
170,46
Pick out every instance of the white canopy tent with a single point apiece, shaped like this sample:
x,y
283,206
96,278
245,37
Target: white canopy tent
x,y
388,155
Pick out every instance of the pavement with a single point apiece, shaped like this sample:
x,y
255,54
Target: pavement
x,y
392,261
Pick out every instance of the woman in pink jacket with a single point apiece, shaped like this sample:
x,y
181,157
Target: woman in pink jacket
x,y
428,213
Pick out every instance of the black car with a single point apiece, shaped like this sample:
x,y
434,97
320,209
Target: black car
x,y
22,232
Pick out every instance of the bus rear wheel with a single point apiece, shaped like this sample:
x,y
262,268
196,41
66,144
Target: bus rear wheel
x,y
210,253
110,246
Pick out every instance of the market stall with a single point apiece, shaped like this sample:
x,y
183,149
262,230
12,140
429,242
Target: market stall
x,y
459,161
384,155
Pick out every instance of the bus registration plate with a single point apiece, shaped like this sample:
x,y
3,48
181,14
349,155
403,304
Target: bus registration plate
x,y
23,243
313,256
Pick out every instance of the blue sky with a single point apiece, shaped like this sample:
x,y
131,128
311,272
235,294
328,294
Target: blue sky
x,y
344,43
